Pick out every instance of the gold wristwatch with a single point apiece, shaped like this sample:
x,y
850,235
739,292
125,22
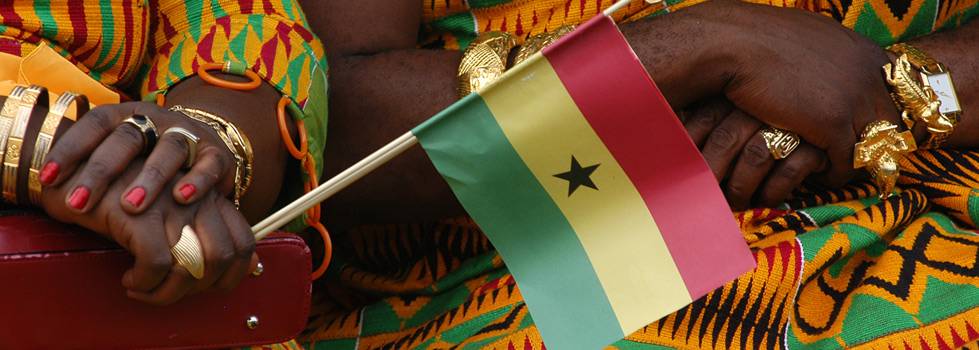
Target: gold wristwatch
x,y
484,61
923,88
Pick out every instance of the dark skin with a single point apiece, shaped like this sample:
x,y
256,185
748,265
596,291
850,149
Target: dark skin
x,y
103,155
388,87
777,75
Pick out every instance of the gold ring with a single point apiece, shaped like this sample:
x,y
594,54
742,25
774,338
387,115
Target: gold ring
x,y
880,150
780,143
191,140
187,252
146,127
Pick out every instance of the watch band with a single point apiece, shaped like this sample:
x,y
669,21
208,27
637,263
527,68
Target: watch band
x,y
46,137
15,141
939,125
919,59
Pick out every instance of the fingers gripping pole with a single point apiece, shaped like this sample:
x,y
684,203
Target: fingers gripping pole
x,y
188,253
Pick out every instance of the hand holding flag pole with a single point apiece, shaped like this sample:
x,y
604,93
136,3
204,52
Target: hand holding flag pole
x,y
595,263
188,253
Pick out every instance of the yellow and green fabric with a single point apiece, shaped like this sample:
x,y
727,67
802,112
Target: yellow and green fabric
x,y
835,269
452,24
139,48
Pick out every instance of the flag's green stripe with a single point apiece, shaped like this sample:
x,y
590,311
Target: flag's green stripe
x,y
528,229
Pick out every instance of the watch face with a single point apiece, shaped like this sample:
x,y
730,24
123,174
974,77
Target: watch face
x,y
942,84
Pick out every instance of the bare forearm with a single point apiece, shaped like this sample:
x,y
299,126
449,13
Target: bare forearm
x,y
958,50
374,99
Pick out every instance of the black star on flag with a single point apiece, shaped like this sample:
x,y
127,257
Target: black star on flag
x,y
578,176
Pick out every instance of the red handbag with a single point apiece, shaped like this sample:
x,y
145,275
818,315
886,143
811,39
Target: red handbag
x,y
60,289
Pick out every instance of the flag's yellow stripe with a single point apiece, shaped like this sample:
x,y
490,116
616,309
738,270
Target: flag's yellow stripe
x,y
546,128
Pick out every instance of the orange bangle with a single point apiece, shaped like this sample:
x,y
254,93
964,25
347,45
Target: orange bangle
x,y
327,250
296,152
301,153
255,82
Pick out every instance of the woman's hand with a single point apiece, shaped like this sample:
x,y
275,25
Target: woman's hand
x,y
108,146
226,238
733,147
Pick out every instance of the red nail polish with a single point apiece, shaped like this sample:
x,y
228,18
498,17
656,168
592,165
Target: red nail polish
x,y
136,196
79,197
49,172
187,191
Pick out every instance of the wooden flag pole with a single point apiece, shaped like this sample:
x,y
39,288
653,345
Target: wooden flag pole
x,y
188,253
334,185
357,171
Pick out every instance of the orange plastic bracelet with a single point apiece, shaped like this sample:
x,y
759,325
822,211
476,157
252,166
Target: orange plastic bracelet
x,y
255,82
327,250
301,151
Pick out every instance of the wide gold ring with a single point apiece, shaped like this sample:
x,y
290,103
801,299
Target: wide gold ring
x,y
191,140
780,143
146,127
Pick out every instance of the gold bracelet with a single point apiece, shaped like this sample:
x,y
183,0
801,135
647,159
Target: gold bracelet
x,y
484,61
15,142
7,116
923,90
536,43
46,137
236,142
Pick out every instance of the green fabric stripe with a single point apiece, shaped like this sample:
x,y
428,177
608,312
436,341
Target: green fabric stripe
x,y
108,32
475,4
923,22
871,26
461,25
49,27
538,244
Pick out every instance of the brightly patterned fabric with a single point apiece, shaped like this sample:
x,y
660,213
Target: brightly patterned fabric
x,y
142,47
452,24
843,269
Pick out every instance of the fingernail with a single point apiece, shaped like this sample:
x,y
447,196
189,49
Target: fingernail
x,y
49,172
79,197
187,191
136,196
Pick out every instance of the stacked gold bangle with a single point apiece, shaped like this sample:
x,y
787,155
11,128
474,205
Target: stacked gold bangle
x,y
22,104
236,142
46,137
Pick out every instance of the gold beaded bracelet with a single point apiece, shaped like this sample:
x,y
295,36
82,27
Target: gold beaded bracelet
x,y
24,103
235,140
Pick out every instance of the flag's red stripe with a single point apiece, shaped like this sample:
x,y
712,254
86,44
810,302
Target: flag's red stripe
x,y
613,91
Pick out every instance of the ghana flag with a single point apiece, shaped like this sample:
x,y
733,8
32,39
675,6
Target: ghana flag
x,y
584,180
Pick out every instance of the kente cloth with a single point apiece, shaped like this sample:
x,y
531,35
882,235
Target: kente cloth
x,y
452,24
837,268
140,48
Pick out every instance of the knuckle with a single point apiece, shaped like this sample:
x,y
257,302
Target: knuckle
x,y
153,174
737,190
756,154
245,247
722,138
97,169
792,172
160,262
